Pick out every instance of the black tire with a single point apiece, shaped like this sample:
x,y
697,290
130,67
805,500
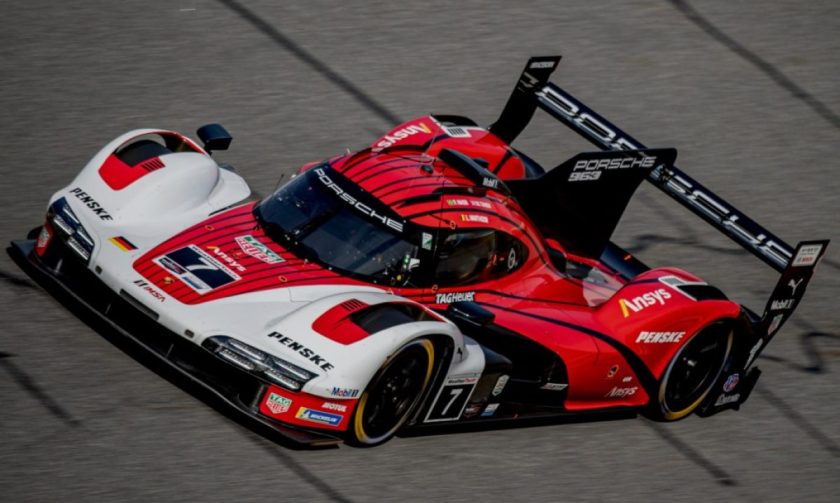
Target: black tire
x,y
693,371
393,394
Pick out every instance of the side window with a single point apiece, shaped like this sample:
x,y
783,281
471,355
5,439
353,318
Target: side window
x,y
474,256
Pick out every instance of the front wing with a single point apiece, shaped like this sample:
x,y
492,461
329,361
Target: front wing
x,y
238,390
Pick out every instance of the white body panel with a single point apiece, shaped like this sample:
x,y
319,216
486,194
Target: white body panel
x,y
190,188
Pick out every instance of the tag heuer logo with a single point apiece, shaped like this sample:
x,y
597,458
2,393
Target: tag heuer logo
x,y
278,404
251,246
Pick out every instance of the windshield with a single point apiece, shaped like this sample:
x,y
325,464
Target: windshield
x,y
325,218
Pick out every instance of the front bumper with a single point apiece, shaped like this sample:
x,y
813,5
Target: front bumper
x,y
74,282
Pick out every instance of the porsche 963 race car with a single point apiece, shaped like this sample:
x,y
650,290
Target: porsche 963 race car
x,y
440,276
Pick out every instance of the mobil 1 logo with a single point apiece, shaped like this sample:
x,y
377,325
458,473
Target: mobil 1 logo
x,y
452,398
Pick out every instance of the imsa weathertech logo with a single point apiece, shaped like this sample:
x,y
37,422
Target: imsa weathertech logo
x,y
636,304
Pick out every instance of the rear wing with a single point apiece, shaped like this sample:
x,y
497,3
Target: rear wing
x,y
533,90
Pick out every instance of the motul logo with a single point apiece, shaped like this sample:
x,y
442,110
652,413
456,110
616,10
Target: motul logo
x,y
401,134
646,300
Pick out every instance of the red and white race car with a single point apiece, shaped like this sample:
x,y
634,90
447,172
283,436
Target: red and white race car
x,y
439,276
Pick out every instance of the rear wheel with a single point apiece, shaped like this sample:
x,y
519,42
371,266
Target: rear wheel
x,y
393,393
694,370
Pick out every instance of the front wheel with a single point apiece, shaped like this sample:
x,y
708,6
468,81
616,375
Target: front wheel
x,y
693,371
393,394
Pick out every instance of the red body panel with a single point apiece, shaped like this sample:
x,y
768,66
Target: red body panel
x,y
306,410
119,175
596,325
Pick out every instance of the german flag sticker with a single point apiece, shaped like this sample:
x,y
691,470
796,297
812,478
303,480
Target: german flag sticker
x,y
122,243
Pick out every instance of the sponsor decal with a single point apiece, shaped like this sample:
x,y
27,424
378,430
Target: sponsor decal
x,y
122,243
458,380
318,416
254,248
277,404
554,386
344,392
472,410
659,337
304,352
91,203
782,304
725,399
626,379
774,324
807,255
197,268
636,304
426,241
150,290
474,218
490,410
500,385
591,169
490,183
754,350
793,284
448,298
541,64
352,201
338,407
617,392
731,382
226,258
401,134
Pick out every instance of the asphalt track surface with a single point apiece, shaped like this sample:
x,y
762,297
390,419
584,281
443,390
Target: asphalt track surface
x,y
746,91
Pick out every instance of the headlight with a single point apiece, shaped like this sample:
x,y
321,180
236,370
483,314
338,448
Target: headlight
x,y
258,362
76,237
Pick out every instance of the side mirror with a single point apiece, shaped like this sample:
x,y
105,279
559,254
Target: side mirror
x,y
214,137
469,312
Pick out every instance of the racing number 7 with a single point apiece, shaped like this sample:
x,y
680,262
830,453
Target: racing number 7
x,y
451,400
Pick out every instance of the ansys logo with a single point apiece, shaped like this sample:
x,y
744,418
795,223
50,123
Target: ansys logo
x,y
643,301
